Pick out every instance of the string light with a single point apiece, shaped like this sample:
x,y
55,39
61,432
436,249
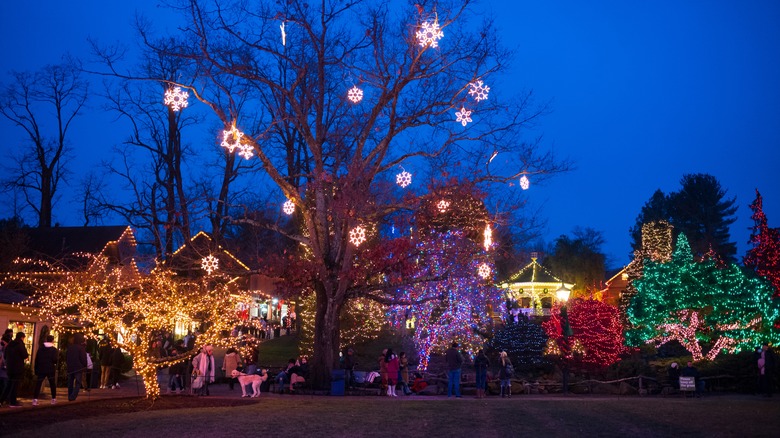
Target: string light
x,y
175,98
357,235
488,237
245,150
463,116
403,179
209,264
288,207
429,34
355,94
284,34
131,309
443,205
479,91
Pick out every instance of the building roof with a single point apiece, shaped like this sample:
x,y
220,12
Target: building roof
x,y
534,280
10,296
57,242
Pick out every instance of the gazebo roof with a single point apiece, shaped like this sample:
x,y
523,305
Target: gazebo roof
x,y
534,277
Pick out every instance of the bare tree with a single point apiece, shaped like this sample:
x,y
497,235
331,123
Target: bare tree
x,y
43,104
330,155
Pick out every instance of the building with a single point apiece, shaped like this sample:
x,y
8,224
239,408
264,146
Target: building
x,y
531,290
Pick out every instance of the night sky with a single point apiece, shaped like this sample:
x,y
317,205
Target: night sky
x,y
641,93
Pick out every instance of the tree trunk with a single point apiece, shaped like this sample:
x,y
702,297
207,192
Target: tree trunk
x,y
148,373
326,336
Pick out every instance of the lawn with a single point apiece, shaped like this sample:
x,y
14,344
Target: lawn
x,y
321,416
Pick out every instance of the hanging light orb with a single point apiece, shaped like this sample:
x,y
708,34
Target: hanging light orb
x,y
443,205
524,182
355,94
403,179
357,235
209,264
484,270
176,98
288,207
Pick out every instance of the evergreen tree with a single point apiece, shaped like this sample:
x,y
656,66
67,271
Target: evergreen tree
x,y
694,302
523,342
764,256
701,211
655,209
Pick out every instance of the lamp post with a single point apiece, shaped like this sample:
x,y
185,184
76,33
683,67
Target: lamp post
x,y
563,296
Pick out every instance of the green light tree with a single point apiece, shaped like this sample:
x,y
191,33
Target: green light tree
x,y
696,302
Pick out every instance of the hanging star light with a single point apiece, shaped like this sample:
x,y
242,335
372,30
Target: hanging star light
x,y
430,34
231,139
209,264
524,182
479,91
463,116
488,237
484,270
443,205
245,150
288,207
403,179
175,98
357,235
355,94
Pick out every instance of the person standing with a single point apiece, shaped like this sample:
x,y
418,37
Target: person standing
x,y
393,367
104,353
117,362
231,363
4,341
76,360
403,373
454,362
674,375
15,355
481,364
691,371
505,375
766,365
383,370
45,368
203,370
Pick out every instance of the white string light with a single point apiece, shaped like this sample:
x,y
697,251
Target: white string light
x,y
403,179
463,116
209,264
524,182
429,34
288,207
357,235
479,91
175,98
355,94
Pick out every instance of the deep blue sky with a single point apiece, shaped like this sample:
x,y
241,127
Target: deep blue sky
x,y
641,92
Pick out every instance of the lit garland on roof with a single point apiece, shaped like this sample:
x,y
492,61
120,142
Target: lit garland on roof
x,y
105,298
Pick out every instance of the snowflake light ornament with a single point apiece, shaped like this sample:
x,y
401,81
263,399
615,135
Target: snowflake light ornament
x,y
443,205
175,98
288,207
231,139
355,94
209,264
478,90
357,235
484,270
429,34
245,150
403,179
524,182
488,237
463,116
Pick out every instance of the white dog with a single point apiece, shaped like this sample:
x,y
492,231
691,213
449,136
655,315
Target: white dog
x,y
246,379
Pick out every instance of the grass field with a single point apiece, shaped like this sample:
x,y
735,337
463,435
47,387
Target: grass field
x,y
526,416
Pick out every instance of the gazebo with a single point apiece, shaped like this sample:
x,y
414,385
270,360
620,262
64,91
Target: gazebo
x,y
532,289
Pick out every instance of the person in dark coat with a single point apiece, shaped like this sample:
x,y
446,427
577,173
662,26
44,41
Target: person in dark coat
x,y
691,371
674,375
454,362
104,354
76,360
15,355
45,368
117,361
481,365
